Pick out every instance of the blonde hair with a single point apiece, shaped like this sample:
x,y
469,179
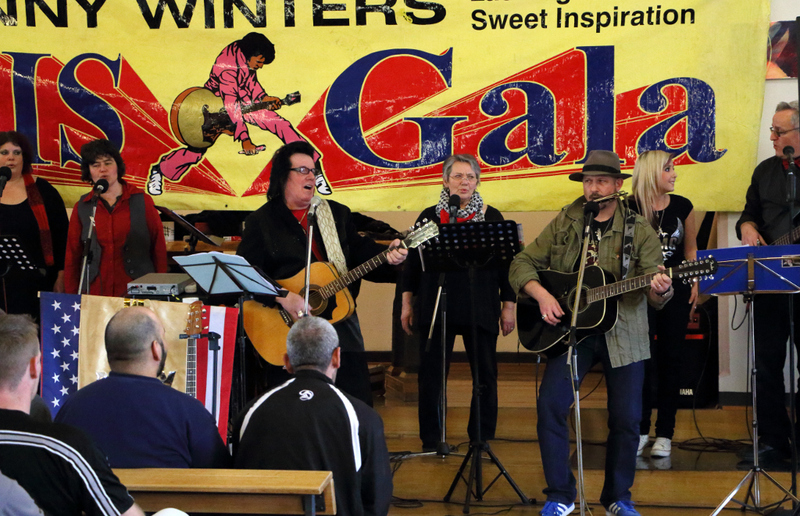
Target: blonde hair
x,y
646,173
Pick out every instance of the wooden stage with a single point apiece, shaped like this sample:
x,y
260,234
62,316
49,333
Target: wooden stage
x,y
698,476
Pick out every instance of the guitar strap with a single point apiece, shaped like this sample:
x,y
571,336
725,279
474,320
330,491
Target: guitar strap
x,y
627,243
330,238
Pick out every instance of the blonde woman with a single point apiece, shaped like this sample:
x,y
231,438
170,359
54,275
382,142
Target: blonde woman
x,y
672,216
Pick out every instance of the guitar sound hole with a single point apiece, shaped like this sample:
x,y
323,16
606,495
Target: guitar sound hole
x,y
315,302
571,301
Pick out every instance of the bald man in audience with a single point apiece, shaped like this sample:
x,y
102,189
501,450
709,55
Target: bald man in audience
x,y
138,421
309,424
59,466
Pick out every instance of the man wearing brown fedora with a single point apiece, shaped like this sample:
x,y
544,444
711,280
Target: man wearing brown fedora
x,y
621,350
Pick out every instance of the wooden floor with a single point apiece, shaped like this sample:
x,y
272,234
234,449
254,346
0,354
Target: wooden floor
x,y
701,472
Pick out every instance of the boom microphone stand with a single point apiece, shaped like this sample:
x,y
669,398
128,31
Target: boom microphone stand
x,y
590,211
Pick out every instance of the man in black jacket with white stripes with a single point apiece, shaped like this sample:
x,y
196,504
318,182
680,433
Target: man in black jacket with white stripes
x,y
309,424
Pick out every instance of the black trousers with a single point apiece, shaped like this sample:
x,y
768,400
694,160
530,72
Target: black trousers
x,y
771,315
662,373
429,381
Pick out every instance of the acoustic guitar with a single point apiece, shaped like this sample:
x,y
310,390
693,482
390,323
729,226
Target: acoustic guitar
x,y
198,117
194,328
267,327
597,311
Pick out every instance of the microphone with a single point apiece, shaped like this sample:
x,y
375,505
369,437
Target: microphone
x,y
312,207
455,203
791,178
100,186
591,208
5,176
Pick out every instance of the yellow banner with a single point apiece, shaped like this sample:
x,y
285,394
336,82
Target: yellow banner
x,y
198,95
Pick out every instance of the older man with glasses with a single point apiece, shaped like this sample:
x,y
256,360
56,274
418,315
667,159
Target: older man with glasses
x,y
767,217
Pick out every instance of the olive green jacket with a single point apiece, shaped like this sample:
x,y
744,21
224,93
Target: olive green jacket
x,y
558,248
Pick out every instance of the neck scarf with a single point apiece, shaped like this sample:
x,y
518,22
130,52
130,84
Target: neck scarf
x,y
36,203
473,211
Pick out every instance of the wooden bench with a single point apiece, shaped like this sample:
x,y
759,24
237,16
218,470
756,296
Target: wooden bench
x,y
229,491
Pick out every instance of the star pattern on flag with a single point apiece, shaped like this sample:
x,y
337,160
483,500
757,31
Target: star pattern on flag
x,y
60,348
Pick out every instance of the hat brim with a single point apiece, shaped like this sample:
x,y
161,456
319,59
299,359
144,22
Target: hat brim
x,y
578,176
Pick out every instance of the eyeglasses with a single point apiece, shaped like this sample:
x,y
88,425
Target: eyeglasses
x,y
461,177
779,133
305,171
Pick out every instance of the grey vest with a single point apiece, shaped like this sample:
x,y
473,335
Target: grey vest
x,y
136,252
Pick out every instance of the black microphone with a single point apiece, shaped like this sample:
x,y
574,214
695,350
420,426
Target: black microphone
x,y
455,203
791,178
5,176
591,208
100,186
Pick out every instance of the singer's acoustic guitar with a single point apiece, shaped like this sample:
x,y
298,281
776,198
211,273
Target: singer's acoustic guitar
x,y
597,311
267,327
198,117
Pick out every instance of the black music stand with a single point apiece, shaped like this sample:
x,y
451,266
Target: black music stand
x,y
220,273
747,271
195,235
473,246
14,255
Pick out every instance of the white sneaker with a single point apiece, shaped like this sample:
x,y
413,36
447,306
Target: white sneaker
x,y
661,448
643,440
154,182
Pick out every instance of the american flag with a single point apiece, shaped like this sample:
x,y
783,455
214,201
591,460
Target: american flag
x,y
61,323
61,347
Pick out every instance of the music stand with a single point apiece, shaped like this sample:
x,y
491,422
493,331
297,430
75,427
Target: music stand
x,y
473,246
195,235
13,253
220,273
747,271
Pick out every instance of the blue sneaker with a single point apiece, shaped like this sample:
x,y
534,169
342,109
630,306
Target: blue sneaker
x,y
557,509
621,508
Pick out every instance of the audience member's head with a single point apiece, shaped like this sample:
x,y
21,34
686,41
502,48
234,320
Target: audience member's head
x,y
19,348
135,342
312,344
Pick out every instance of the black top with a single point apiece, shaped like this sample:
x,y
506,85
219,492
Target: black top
x,y
60,467
21,287
671,228
490,287
765,202
274,241
308,424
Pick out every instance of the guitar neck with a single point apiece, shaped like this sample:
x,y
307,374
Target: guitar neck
x,y
191,368
356,273
789,238
622,287
269,104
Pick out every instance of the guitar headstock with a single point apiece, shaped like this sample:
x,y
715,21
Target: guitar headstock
x,y
690,271
421,235
291,98
194,321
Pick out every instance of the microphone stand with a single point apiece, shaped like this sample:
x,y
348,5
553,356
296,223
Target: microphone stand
x,y
590,210
791,198
87,250
309,243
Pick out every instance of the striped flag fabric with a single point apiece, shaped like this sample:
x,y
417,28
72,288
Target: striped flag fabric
x,y
70,334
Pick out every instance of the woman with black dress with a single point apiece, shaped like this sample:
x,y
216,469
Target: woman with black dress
x,y
672,216
33,211
494,296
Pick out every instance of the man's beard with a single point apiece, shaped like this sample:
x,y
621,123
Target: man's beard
x,y
163,359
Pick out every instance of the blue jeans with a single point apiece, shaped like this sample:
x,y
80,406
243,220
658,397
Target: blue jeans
x,y
624,413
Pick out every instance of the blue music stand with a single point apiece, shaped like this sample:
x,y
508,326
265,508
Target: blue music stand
x,y
776,270
748,271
